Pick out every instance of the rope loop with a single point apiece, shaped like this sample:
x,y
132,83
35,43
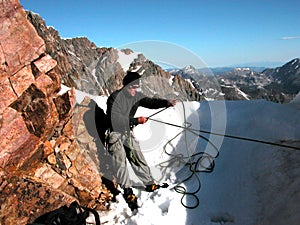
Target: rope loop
x,y
199,161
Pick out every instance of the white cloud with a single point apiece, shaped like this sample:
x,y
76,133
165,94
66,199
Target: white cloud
x,y
290,37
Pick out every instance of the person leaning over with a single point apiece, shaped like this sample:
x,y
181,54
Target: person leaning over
x,y
121,108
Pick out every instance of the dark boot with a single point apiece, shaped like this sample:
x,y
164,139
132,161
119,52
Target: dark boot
x,y
152,187
130,198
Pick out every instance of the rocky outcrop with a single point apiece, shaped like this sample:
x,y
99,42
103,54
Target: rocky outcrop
x,y
206,85
76,57
84,66
286,78
47,157
42,165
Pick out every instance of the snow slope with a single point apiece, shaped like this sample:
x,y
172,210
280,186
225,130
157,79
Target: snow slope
x,y
246,172
251,183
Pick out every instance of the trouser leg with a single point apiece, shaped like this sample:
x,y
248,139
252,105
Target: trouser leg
x,y
137,160
119,164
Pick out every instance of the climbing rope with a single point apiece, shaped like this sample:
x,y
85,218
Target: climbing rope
x,y
199,161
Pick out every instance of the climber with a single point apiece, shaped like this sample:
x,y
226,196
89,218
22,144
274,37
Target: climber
x,y
121,108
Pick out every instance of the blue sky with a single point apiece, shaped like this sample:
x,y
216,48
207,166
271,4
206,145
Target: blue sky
x,y
220,33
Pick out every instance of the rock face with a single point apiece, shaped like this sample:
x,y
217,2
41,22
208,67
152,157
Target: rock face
x,y
41,164
285,78
45,159
77,58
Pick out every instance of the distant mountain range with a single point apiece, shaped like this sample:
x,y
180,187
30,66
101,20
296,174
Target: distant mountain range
x,y
220,70
278,84
259,67
265,64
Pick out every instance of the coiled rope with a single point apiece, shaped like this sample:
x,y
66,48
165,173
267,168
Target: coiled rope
x,y
199,161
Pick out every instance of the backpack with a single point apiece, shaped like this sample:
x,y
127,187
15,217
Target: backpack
x,y
72,215
96,121
102,124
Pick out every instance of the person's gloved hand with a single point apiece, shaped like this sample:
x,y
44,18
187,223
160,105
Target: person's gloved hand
x,y
142,119
172,102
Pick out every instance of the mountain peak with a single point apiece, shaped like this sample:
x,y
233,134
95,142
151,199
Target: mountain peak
x,y
190,69
294,61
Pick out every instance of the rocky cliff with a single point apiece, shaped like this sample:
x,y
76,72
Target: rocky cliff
x,y
285,78
47,157
41,164
77,58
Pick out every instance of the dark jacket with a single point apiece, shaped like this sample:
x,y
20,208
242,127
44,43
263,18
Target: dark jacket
x,y
121,108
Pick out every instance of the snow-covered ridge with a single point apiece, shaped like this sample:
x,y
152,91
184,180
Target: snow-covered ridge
x,y
80,95
126,59
242,69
